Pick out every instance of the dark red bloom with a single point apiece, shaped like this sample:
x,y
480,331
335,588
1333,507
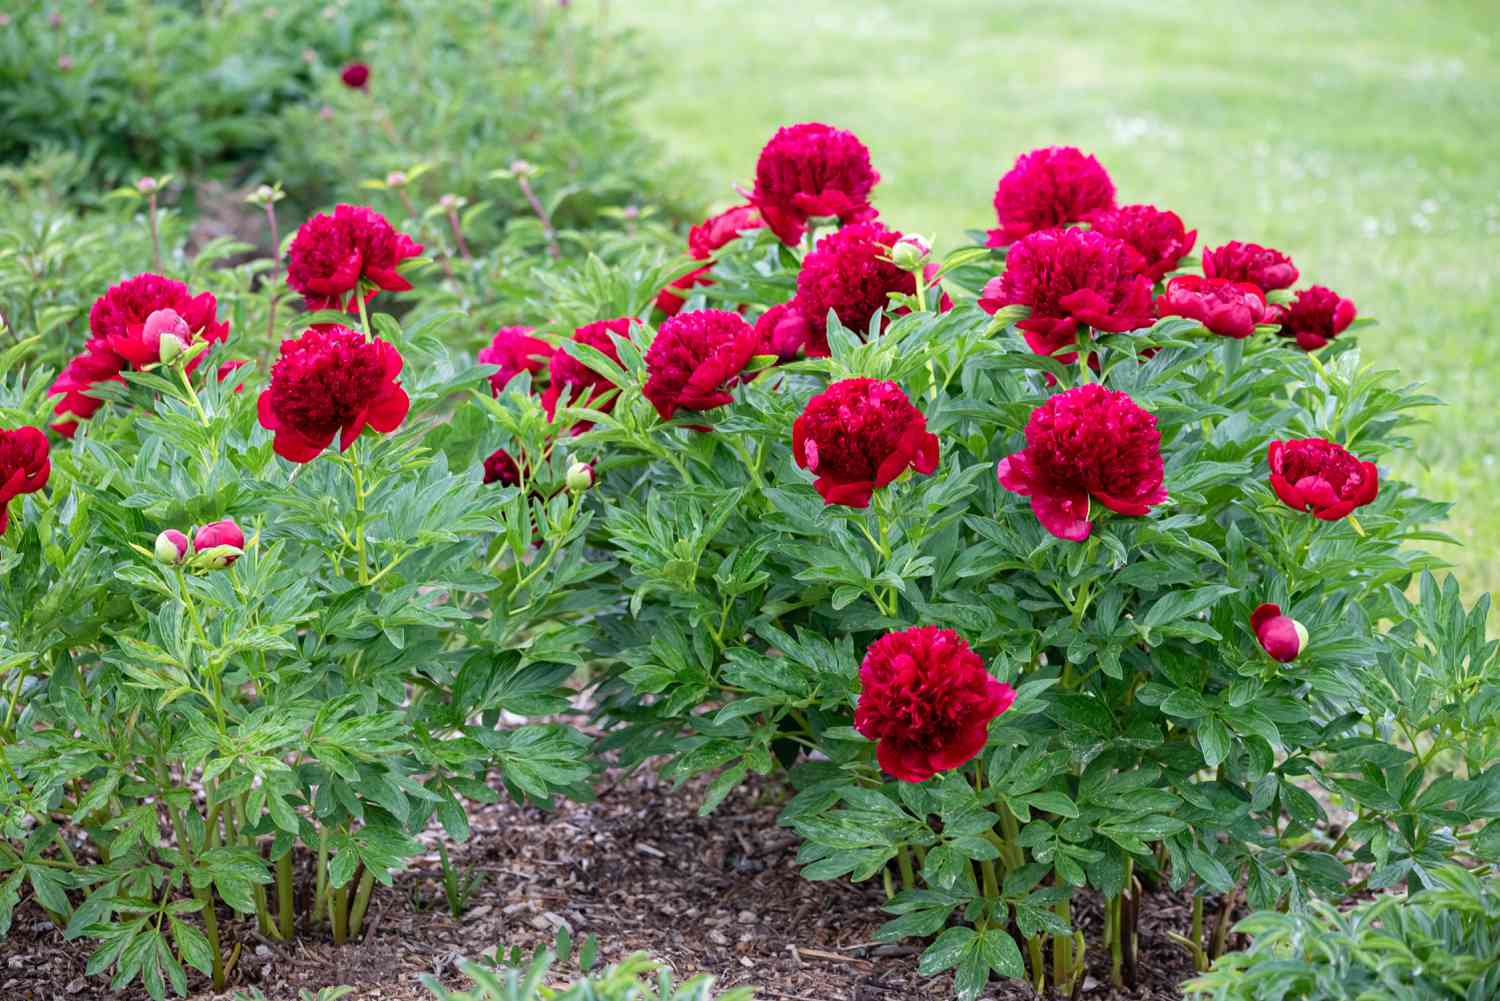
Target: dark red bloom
x,y
1230,309
857,436
1316,316
695,358
331,381
849,272
782,331
927,700
332,255
355,76
25,464
708,236
1281,636
515,351
1156,237
1250,262
812,170
95,365
1070,277
118,319
571,381
1086,443
500,467
1049,187
1313,474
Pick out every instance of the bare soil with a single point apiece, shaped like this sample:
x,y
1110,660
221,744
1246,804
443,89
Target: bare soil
x,y
639,869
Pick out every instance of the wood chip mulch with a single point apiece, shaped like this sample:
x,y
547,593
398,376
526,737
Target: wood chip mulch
x,y
639,869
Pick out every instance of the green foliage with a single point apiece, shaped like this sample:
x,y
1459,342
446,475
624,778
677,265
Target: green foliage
x,y
1438,944
631,980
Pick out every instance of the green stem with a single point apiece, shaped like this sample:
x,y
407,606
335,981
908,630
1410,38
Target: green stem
x,y
320,895
211,929
361,902
192,393
1113,934
1197,932
364,317
1062,950
355,470
338,908
284,894
903,860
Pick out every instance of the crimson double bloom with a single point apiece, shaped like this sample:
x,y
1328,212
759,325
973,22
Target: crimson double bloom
x,y
1049,187
515,351
331,382
355,76
1230,309
695,359
1316,316
25,465
810,171
1070,278
927,701
782,331
1321,477
501,467
571,381
1264,267
857,436
353,250
713,233
1156,237
1086,444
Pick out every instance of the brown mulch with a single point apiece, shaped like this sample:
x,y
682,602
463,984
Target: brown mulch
x,y
640,870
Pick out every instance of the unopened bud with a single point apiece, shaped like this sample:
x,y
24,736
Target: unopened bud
x,y
396,179
580,477
171,547
448,202
65,63
55,19
1281,636
632,212
910,252
326,113
217,545
520,168
146,185
166,334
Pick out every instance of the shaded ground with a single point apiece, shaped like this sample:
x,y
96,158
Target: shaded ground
x,y
640,870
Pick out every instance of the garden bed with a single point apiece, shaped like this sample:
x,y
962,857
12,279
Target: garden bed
x,y
639,869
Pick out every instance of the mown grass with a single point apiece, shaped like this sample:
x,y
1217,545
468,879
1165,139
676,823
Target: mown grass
x,y
1361,137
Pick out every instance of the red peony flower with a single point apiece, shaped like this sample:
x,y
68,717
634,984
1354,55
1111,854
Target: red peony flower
x,y
1049,187
812,170
500,467
1086,443
1316,316
695,358
1313,474
1281,636
1070,277
1230,309
703,239
1250,262
782,331
25,464
131,318
96,364
571,381
333,255
1156,237
228,368
857,436
515,351
927,700
355,76
331,381
849,272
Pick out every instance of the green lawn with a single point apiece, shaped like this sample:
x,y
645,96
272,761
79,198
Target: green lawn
x,y
1362,138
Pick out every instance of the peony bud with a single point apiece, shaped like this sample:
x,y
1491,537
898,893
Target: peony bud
x,y
166,334
55,19
218,544
309,56
520,168
448,202
65,62
146,185
910,252
171,547
396,179
1281,636
580,477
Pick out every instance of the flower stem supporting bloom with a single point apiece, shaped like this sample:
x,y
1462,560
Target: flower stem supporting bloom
x,y
192,394
908,876
155,236
361,901
284,894
364,317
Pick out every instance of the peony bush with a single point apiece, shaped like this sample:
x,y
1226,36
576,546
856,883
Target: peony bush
x,y
1057,565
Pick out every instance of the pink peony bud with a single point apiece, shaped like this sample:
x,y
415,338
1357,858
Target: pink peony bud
x,y
218,544
146,185
166,334
910,252
580,477
65,62
396,179
171,547
1281,636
